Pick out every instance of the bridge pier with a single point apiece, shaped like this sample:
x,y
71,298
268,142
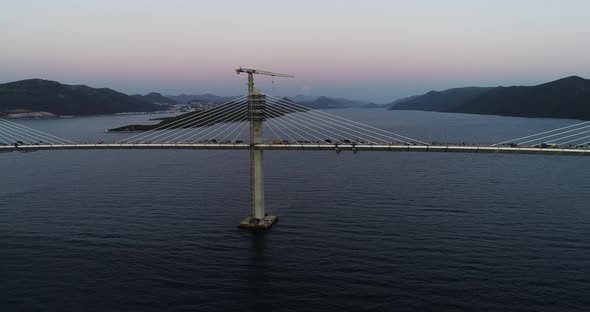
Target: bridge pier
x,y
258,218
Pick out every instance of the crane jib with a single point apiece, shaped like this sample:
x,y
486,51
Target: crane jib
x,y
261,72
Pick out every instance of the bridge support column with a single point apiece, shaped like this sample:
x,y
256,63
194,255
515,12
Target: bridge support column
x,y
258,218
257,187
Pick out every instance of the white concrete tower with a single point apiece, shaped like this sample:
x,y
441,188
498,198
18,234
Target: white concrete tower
x,y
258,219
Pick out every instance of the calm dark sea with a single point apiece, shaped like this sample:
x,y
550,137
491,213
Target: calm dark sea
x,y
157,230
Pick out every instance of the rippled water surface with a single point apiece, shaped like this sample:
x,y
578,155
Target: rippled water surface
x,y
157,230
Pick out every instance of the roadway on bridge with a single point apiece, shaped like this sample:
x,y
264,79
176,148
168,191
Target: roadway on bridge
x,y
306,147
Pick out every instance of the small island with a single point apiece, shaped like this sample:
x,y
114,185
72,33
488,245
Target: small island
x,y
201,118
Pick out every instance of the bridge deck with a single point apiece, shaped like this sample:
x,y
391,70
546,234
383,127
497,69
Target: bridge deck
x,y
314,147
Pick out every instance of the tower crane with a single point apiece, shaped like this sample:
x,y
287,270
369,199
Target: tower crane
x,y
251,73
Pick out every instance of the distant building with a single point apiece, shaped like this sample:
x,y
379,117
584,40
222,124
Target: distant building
x,y
199,105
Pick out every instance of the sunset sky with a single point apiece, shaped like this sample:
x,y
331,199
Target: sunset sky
x,y
371,50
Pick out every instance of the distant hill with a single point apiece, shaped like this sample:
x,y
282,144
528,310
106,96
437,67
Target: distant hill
x,y
564,98
386,105
326,102
155,98
405,99
303,98
371,105
440,100
50,96
309,101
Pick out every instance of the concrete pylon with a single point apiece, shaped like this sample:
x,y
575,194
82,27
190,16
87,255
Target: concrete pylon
x,y
258,219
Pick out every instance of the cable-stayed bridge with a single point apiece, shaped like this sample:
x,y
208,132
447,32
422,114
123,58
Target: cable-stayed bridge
x,y
287,125
260,122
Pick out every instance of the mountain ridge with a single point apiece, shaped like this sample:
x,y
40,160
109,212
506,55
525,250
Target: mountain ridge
x,y
61,99
567,97
155,98
324,102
